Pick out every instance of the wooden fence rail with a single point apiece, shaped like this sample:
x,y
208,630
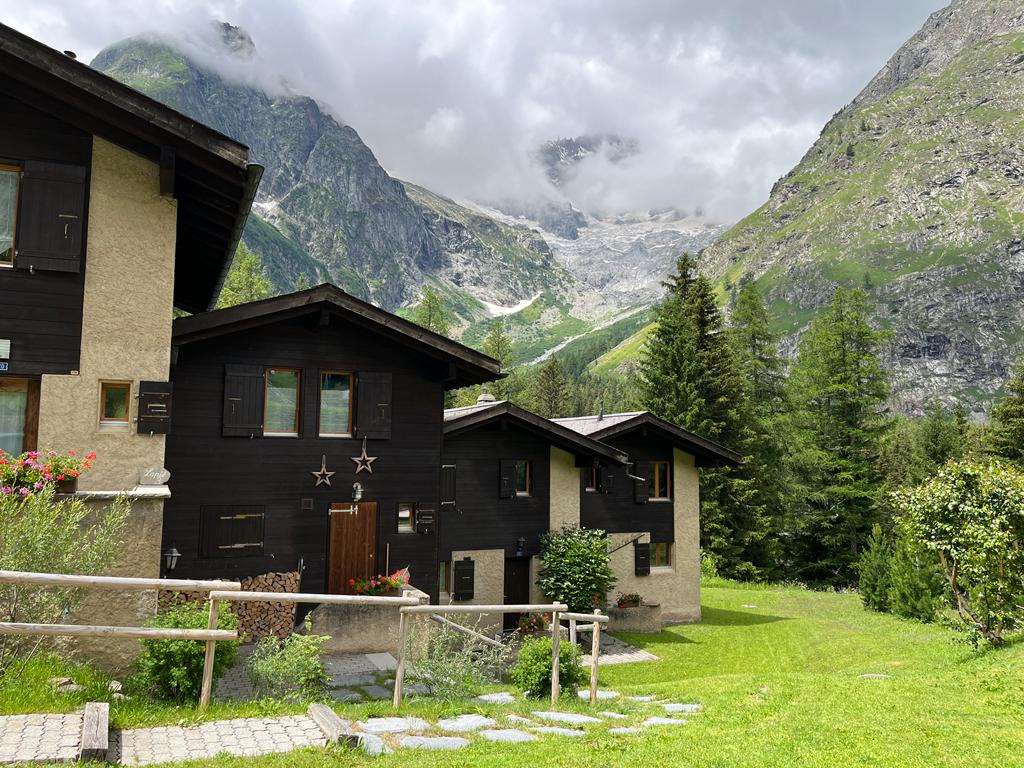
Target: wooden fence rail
x,y
114,582
142,633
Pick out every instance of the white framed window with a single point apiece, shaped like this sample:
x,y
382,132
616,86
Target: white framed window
x,y
281,402
115,403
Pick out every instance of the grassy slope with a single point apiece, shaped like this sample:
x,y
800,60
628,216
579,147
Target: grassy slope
x,y
780,687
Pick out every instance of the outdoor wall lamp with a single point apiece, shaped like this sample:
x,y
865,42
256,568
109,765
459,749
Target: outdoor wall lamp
x,y
171,558
357,491
520,545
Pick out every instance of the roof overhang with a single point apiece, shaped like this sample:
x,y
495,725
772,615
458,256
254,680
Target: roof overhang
x,y
208,173
463,366
554,433
707,453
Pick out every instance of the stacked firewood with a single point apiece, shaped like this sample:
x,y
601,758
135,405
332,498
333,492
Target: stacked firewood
x,y
255,620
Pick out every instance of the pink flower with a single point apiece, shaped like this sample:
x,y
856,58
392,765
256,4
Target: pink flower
x,y
51,453
23,491
91,455
37,485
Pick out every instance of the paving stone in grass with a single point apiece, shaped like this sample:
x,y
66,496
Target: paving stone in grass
x,y
519,719
377,692
344,694
372,745
662,721
601,694
393,724
556,731
464,723
433,742
501,697
507,734
566,717
641,698
613,715
690,708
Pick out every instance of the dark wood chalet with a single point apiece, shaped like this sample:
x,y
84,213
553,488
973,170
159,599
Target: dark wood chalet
x,y
640,497
513,476
307,434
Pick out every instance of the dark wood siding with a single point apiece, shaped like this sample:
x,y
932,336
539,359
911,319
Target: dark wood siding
x,y
618,510
41,313
275,472
481,519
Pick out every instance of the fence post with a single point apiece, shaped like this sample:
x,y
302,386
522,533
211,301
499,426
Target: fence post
x,y
556,627
595,651
211,647
400,670
572,631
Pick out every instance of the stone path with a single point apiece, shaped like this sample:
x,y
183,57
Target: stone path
x,y
40,737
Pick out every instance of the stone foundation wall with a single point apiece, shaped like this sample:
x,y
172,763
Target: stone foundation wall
x,y
362,628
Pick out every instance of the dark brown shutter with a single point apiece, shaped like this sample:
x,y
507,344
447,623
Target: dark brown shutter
x,y
642,559
607,479
243,401
506,479
641,487
231,531
424,519
462,579
154,407
51,217
373,400
448,485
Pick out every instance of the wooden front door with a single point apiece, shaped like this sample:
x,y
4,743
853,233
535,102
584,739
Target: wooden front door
x,y
353,544
517,587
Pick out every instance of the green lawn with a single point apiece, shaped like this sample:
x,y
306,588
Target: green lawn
x,y
780,687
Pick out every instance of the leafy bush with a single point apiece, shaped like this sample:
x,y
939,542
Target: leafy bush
x,y
452,664
289,668
173,669
708,566
41,533
532,670
574,567
972,516
875,562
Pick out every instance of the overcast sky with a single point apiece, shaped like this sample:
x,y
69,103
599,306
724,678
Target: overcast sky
x,y
722,96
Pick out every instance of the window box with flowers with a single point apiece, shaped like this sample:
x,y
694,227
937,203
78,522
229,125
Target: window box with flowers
x,y
631,614
30,471
381,585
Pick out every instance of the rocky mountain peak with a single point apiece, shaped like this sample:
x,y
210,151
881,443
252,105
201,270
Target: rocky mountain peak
x,y
560,157
235,39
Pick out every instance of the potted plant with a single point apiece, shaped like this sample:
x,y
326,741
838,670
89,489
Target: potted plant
x,y
533,624
32,470
628,600
381,585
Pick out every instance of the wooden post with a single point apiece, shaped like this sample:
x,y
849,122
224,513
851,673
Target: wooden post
x,y
211,648
400,670
555,636
595,651
572,631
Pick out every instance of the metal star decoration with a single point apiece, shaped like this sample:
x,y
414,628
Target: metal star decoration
x,y
363,461
322,475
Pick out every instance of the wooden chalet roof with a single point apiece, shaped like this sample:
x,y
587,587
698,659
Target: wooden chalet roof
x,y
208,173
464,366
609,425
468,417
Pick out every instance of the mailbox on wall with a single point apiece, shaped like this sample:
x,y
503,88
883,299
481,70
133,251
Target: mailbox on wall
x,y
154,407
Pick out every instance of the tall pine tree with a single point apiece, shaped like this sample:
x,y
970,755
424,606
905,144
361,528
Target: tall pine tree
x,y
550,390
432,313
690,375
1007,434
839,390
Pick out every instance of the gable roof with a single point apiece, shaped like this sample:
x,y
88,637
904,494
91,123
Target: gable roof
x,y
457,420
610,425
207,172
466,365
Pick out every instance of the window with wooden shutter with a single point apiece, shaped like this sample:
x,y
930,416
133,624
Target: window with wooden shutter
x,y
641,486
231,531
51,217
462,579
506,479
641,559
10,176
373,406
243,401
448,485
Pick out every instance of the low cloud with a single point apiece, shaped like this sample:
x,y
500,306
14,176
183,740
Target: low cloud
x,y
721,97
